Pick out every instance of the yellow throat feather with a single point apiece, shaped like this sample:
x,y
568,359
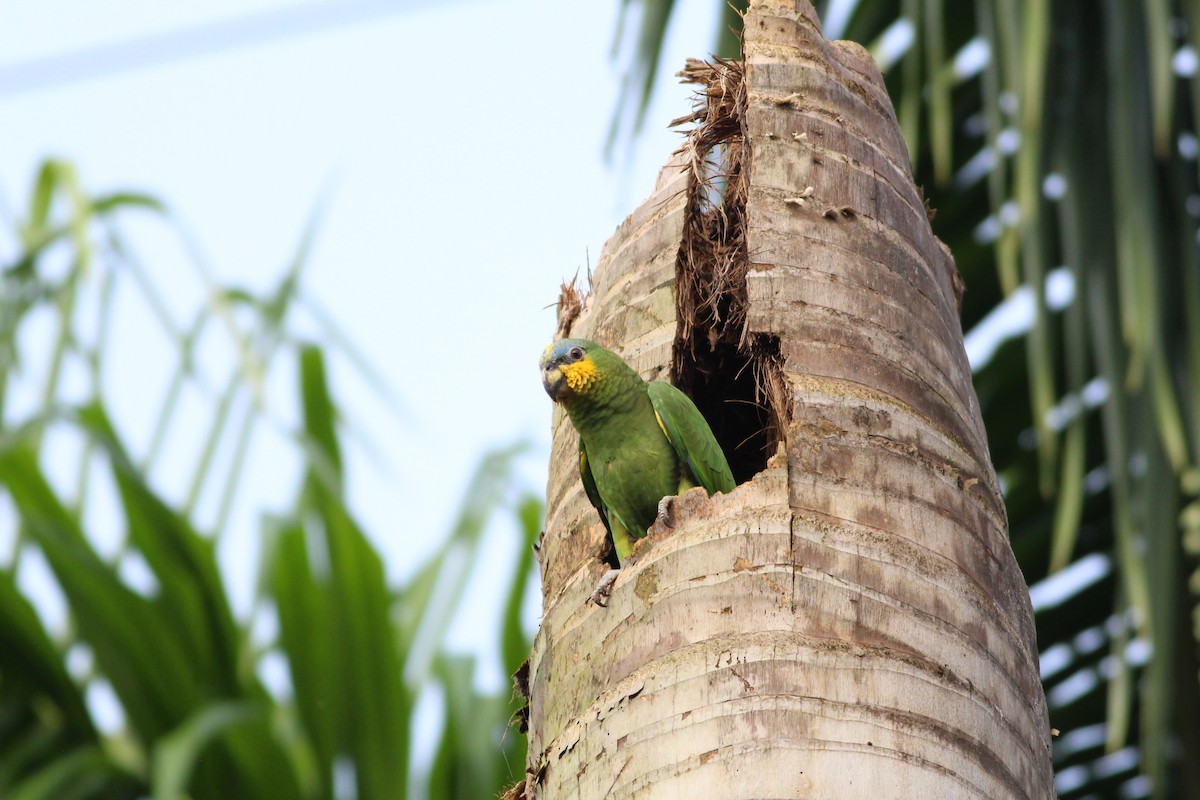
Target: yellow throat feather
x,y
581,376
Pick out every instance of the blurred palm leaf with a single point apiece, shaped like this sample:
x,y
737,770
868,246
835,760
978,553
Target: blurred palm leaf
x,y
196,720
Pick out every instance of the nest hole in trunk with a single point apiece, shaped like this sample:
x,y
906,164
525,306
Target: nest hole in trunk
x,y
732,373
735,389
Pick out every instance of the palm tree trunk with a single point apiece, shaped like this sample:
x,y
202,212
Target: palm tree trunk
x,y
850,622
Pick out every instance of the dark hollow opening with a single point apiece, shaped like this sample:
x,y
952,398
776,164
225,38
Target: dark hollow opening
x,y
729,388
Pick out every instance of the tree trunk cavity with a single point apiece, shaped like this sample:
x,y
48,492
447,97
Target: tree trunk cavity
x,y
850,622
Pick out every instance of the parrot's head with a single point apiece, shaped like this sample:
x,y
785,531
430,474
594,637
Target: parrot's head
x,y
569,368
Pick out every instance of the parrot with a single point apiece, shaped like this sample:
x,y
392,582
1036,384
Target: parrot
x,y
640,442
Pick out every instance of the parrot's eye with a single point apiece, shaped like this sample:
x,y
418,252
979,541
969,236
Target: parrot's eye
x,y
576,354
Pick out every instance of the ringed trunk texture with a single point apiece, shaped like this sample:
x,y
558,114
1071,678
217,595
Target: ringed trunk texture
x,y
850,622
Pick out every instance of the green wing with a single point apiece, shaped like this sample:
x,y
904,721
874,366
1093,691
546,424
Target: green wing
x,y
593,494
691,437
589,486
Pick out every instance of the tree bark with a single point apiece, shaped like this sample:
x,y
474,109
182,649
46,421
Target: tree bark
x,y
850,622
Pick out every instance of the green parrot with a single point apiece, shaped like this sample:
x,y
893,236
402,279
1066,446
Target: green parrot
x,y
639,442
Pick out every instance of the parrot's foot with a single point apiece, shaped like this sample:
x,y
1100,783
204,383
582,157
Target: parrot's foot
x,y
604,588
664,512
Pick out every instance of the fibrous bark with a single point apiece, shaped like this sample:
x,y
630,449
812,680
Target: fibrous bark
x,y
851,621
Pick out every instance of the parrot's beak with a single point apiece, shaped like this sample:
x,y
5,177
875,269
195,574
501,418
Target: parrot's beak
x,y
553,380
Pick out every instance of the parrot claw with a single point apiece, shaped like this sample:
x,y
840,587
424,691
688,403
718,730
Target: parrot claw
x,y
664,512
604,588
